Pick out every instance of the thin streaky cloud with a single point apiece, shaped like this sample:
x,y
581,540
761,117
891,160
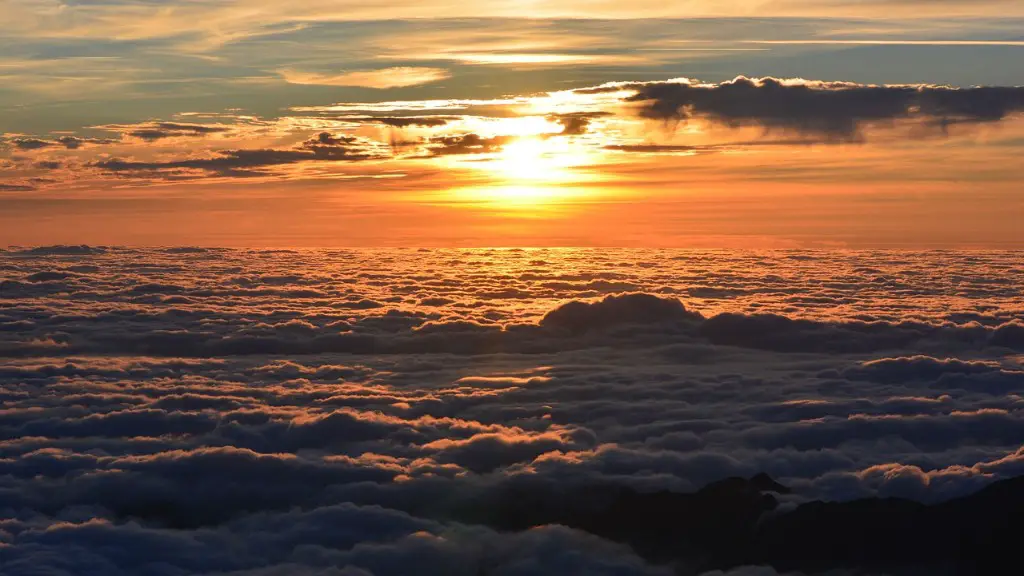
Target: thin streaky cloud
x,y
219,23
395,77
890,42
703,49
532,58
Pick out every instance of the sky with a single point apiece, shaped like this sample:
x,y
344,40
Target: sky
x,y
752,124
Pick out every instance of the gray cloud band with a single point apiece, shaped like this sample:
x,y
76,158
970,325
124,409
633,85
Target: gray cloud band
x,y
832,109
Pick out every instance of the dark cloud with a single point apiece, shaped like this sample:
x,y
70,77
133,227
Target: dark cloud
x,y
74,142
16,187
832,109
328,139
919,368
1010,335
467,144
576,123
581,317
236,163
420,121
69,142
154,131
782,334
693,529
31,143
341,540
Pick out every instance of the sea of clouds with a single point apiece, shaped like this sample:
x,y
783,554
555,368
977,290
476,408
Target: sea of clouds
x,y
195,411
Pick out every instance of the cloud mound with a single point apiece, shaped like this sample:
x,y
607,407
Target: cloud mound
x,y
617,310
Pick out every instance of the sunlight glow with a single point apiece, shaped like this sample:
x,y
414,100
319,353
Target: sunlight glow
x,y
522,126
535,58
542,160
515,197
532,173
527,159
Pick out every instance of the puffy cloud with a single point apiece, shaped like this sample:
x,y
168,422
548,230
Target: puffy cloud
x,y
467,144
576,123
947,373
31,143
327,139
612,311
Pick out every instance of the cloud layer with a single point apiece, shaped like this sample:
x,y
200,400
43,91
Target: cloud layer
x,y
555,136
192,410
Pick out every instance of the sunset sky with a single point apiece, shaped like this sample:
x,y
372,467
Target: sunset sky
x,y
766,124
511,287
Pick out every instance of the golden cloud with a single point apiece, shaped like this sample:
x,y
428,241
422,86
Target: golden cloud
x,y
395,77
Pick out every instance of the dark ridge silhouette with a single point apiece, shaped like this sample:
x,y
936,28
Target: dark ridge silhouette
x,y
727,524
736,522
977,534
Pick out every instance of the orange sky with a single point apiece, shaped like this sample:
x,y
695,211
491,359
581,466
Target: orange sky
x,y
960,190
505,132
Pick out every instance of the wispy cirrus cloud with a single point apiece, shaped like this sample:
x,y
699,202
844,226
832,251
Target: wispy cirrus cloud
x,y
217,23
384,78
885,42
241,69
499,58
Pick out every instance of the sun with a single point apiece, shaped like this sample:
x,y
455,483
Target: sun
x,y
537,170
531,176
526,159
539,160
